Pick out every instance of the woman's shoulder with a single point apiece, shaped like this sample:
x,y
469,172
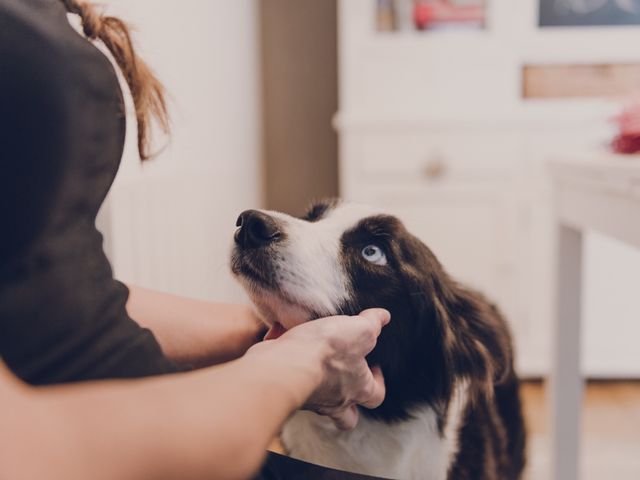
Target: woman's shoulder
x,y
44,19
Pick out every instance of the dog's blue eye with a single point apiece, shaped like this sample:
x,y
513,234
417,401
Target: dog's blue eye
x,y
374,254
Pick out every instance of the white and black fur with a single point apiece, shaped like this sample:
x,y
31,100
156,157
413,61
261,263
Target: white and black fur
x,y
452,408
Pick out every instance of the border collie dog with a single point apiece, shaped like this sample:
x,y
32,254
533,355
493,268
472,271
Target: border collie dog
x,y
452,408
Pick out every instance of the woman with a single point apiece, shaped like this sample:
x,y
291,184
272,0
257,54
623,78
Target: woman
x,y
63,318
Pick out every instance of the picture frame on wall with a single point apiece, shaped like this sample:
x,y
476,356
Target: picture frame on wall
x,y
585,13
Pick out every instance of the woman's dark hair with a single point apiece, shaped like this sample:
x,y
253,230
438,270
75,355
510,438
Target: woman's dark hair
x,y
146,89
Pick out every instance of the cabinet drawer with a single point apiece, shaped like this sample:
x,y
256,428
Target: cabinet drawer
x,y
436,157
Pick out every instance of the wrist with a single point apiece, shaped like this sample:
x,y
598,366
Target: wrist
x,y
295,366
247,331
220,333
252,326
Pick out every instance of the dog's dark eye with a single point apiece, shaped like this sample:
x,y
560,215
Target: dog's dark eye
x,y
374,254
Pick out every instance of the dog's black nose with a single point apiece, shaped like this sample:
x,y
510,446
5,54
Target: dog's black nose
x,y
256,229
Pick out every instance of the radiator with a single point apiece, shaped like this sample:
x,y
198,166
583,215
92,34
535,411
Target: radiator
x,y
169,231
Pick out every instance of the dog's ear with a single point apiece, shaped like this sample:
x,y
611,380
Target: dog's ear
x,y
425,283
482,349
318,209
475,340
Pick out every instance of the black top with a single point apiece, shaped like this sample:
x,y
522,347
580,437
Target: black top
x,y
62,127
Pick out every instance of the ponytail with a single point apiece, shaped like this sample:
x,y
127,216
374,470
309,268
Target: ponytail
x,y
146,89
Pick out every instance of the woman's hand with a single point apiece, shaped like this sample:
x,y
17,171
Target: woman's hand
x,y
348,381
338,345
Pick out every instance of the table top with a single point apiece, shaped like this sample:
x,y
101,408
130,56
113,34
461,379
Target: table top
x,y
599,191
602,171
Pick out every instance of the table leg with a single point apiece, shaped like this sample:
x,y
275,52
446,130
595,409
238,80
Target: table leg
x,y
566,383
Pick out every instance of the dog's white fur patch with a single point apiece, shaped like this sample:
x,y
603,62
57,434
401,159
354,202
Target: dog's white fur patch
x,y
413,449
309,273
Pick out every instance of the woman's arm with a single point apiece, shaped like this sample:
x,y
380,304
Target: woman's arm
x,y
195,332
211,423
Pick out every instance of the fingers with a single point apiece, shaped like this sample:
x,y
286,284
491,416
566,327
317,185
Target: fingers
x,y
376,389
345,419
348,377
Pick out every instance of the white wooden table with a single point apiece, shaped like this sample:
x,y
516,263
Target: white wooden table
x,y
600,193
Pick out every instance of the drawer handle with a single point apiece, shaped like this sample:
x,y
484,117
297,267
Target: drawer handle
x,y
435,168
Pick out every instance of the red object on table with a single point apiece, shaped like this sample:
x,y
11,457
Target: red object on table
x,y
628,138
626,144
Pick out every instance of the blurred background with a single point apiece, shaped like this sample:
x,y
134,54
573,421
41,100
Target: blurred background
x,y
444,112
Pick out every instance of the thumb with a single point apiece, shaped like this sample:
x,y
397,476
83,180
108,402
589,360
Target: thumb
x,y
379,315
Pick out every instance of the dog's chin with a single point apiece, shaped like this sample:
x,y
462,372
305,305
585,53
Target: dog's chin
x,y
276,310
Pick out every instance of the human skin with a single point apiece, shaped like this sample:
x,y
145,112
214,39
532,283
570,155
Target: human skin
x,y
193,332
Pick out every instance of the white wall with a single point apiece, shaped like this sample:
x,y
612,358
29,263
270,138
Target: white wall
x,y
169,224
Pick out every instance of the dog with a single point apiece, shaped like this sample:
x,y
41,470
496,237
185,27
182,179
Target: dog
x,y
452,408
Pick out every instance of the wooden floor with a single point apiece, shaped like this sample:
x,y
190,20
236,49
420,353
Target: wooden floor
x,y
610,431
